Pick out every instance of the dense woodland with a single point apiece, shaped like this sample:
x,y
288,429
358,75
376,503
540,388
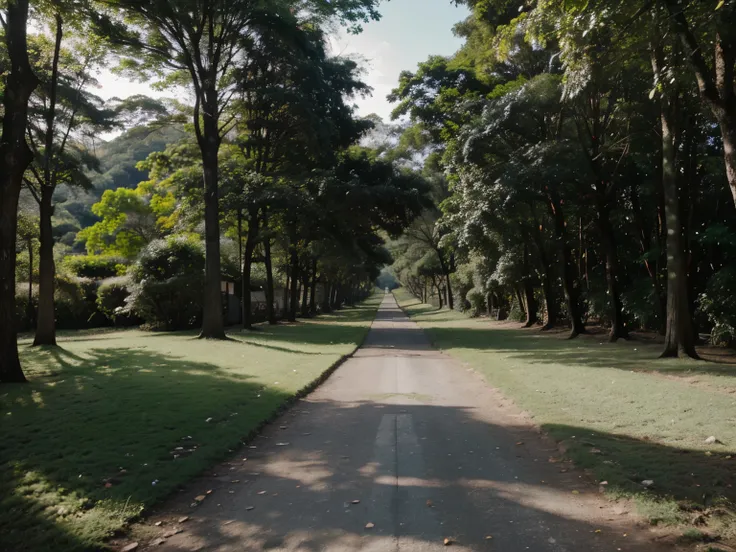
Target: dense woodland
x,y
253,178
583,161
574,162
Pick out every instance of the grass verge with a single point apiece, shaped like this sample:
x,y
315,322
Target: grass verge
x,y
113,422
616,409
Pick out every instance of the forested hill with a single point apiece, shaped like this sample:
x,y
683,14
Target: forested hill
x,y
117,169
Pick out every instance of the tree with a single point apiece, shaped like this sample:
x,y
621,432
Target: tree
x,y
699,26
679,333
28,240
200,44
15,156
62,112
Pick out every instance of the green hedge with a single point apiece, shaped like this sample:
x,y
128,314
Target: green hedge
x,y
96,267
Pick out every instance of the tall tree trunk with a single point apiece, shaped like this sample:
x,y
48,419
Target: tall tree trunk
x,y
679,338
520,299
450,298
250,247
270,311
313,294
618,327
213,326
548,279
305,291
285,310
326,303
46,321
530,303
645,244
15,156
569,283
294,301
29,309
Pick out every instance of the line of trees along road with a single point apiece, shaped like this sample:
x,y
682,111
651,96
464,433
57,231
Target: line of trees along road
x,y
583,159
267,176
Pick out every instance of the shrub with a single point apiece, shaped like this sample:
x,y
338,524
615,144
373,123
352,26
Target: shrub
x,y
97,267
718,303
168,281
516,313
477,301
75,301
111,301
22,316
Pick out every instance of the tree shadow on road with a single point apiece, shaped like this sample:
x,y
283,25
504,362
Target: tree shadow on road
x,y
499,481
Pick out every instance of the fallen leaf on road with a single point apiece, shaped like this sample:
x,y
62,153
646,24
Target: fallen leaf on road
x,y
447,542
597,531
519,443
489,537
356,501
249,508
262,492
282,444
235,481
183,519
199,498
158,523
369,525
171,533
209,492
576,492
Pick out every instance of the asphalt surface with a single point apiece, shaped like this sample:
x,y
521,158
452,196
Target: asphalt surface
x,y
399,450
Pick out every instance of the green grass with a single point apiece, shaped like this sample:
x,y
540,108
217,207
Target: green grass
x,y
90,441
621,412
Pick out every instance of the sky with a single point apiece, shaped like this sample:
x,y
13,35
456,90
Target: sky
x,y
409,31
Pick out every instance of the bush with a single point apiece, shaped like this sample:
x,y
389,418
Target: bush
x,y
516,314
111,301
23,320
75,301
718,303
477,301
97,267
168,283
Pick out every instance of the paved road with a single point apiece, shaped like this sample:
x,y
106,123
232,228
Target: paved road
x,y
429,451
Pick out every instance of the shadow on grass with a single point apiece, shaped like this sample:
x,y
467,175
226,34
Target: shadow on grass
x,y
584,351
690,482
93,439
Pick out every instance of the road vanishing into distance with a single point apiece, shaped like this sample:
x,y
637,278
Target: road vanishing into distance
x,y
402,449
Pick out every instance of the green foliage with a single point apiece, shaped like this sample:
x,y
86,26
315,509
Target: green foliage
x,y
718,302
75,303
112,295
128,224
97,267
477,300
168,280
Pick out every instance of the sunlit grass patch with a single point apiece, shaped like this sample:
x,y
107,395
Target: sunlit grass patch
x,y
112,422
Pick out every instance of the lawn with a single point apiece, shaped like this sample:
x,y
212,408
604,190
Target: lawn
x,y
114,421
620,412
